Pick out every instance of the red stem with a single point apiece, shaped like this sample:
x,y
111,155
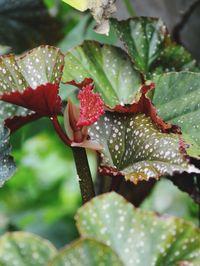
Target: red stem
x,y
60,131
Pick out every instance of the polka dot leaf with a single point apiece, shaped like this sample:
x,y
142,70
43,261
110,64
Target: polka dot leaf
x,y
86,252
177,99
150,46
31,81
7,165
114,74
135,147
21,248
139,237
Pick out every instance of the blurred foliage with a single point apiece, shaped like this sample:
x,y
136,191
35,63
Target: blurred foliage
x,y
43,196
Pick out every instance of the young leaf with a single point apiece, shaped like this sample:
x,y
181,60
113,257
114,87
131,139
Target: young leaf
x,y
86,252
32,81
21,248
7,165
150,46
177,99
91,106
134,146
138,237
114,74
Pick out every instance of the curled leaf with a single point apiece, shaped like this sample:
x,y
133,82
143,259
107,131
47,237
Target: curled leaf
x,y
31,81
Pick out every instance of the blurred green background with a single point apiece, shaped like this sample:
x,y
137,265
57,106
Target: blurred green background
x,y
43,196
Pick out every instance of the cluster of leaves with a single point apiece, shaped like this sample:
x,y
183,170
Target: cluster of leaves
x,y
114,233
119,119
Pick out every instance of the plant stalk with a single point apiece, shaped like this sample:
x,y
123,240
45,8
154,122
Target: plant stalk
x,y
129,8
60,131
84,174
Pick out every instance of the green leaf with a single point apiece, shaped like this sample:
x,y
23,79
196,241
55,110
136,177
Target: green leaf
x,y
39,66
136,148
27,24
138,237
177,99
7,165
111,69
150,46
86,252
21,248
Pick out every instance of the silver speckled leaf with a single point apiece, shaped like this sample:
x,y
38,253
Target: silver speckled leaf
x,y
114,74
20,248
140,238
136,148
7,165
86,252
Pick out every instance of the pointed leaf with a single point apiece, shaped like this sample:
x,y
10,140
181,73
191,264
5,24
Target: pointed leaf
x,y
138,237
86,252
177,99
114,75
150,46
21,248
135,147
7,165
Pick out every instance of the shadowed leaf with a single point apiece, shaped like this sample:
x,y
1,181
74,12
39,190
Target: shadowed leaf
x,y
7,165
138,237
150,46
27,24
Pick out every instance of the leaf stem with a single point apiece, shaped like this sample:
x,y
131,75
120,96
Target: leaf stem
x,y
130,8
81,161
60,131
84,174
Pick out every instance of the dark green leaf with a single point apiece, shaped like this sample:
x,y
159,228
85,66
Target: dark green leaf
x,y
135,147
150,46
86,252
21,248
27,24
7,165
177,99
138,237
111,69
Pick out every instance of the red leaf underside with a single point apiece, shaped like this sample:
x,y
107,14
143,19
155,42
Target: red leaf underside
x,y
145,106
85,82
17,122
44,100
91,106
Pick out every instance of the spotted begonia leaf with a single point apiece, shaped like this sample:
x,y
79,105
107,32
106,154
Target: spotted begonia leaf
x,y
139,237
86,252
7,165
113,72
21,248
150,46
177,99
134,146
31,81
